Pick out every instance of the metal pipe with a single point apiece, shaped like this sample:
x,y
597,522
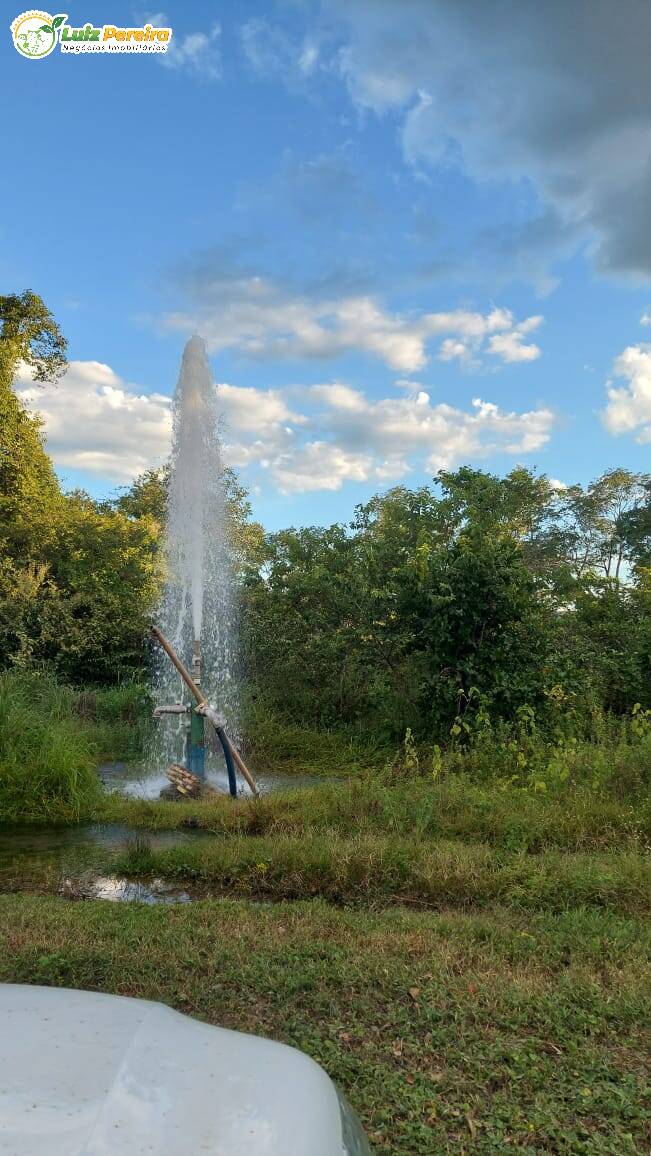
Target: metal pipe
x,y
201,699
196,751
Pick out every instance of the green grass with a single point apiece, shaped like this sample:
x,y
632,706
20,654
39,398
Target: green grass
x,y
274,743
607,753
47,759
503,1031
366,871
376,870
614,760
119,719
574,818
52,737
528,794
463,951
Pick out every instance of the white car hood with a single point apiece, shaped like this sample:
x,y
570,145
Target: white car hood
x,y
83,1074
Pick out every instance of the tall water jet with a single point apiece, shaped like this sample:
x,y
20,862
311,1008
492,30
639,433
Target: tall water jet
x,y
197,612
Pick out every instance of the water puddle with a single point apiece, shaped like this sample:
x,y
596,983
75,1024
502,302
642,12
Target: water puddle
x,y
53,841
113,889
74,861
139,782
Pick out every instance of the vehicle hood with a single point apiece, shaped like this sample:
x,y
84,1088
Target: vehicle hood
x,y
83,1074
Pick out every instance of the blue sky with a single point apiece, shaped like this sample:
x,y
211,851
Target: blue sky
x,y
414,234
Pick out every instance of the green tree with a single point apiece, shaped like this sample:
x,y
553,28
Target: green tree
x,y
634,526
31,503
393,623
30,334
105,578
599,523
300,621
30,497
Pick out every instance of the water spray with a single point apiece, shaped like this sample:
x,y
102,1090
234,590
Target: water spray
x,y
198,609
202,711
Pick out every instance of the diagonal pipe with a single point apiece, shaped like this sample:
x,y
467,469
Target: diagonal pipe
x,y
198,694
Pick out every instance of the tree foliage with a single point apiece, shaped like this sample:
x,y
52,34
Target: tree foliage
x,y
77,578
474,601
30,498
478,595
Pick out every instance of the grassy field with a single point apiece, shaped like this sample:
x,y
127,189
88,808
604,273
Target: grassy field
x,y
362,872
503,1031
464,949
377,871
469,965
575,818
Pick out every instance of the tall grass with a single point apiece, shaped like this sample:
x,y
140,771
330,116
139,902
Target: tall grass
x,y
47,757
276,743
616,761
372,869
120,718
52,737
608,755
576,819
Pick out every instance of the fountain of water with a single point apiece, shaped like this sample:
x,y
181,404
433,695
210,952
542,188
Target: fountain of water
x,y
197,613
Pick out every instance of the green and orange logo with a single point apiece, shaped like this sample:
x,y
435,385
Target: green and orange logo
x,y
36,33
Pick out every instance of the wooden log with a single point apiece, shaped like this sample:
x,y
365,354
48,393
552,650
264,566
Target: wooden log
x,y
183,670
186,783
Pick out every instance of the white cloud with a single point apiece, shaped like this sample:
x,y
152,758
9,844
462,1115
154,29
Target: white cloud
x,y
270,52
320,466
347,437
247,409
341,397
262,320
197,53
455,349
96,423
527,94
301,438
511,346
629,406
645,319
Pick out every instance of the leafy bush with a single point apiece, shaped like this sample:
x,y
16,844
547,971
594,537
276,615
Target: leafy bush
x,y
120,717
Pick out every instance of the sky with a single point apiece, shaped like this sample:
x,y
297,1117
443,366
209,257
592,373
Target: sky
x,y
415,234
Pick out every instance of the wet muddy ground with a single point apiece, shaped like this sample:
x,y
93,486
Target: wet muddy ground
x,y
140,782
74,860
